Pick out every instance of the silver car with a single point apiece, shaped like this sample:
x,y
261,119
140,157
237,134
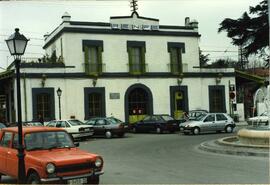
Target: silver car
x,y
210,122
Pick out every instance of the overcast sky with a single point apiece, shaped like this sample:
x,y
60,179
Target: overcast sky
x,y
35,18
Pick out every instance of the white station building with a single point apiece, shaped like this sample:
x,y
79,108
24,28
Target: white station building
x,y
127,68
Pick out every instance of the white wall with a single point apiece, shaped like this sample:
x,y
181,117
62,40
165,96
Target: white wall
x,y
72,103
115,56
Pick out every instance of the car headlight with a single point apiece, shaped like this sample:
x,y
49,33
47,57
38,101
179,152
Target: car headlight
x,y
50,168
98,162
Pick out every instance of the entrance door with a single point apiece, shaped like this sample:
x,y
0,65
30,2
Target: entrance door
x,y
179,101
137,105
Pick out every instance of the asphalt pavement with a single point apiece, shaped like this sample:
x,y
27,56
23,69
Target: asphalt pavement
x,y
172,159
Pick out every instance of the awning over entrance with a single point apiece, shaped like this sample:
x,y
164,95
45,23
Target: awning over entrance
x,y
246,77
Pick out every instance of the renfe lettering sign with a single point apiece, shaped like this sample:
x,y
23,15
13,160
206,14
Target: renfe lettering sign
x,y
134,27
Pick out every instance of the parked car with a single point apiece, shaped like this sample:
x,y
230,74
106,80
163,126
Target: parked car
x,y
33,124
126,125
193,114
50,157
258,120
210,122
157,123
107,127
74,127
2,125
27,124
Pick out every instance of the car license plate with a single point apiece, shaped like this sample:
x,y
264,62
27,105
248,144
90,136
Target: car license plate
x,y
77,181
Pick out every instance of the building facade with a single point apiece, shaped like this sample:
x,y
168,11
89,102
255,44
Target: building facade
x,y
127,68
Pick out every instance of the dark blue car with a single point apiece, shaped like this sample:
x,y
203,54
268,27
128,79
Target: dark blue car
x,y
158,123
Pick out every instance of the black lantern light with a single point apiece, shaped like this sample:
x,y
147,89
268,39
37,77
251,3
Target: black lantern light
x,y
59,93
16,44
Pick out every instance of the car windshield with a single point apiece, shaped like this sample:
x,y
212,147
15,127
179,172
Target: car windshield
x,y
115,120
75,122
47,140
264,114
167,118
200,117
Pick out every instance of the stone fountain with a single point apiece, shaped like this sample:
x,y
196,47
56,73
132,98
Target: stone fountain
x,y
257,134
250,141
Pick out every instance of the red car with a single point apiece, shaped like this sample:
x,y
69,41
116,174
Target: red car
x,y
50,157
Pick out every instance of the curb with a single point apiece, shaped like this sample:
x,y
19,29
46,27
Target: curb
x,y
230,150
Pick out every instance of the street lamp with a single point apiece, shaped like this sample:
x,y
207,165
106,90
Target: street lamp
x,y
16,44
59,93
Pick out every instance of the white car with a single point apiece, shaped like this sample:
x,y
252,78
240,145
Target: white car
x,y
210,122
74,127
257,120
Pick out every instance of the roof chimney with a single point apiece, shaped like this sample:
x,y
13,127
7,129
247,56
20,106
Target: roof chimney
x,y
187,21
66,17
194,23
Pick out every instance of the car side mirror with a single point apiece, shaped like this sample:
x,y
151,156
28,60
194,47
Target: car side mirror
x,y
77,144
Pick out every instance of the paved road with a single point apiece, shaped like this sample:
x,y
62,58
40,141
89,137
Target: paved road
x,y
172,159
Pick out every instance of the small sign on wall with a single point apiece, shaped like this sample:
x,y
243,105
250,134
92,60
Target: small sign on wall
x,y
114,95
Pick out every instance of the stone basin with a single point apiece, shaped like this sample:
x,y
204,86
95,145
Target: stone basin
x,y
254,136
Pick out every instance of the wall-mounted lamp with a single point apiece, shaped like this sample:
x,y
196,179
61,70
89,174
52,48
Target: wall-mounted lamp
x,y
180,79
218,78
94,81
43,79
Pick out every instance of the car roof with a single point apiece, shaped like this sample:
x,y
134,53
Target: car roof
x,y
32,129
64,120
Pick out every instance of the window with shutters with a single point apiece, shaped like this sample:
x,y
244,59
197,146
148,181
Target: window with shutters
x,y
136,53
176,60
93,57
176,50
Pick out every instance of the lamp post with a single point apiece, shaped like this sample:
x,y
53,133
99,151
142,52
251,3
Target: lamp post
x,y
59,93
16,44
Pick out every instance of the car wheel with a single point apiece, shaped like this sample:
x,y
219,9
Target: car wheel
x,y
93,180
0,177
33,178
108,134
196,131
158,130
229,129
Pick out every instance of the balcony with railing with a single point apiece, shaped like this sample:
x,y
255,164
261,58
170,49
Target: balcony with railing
x,y
94,68
137,69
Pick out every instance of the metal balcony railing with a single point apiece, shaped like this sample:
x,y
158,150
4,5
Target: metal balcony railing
x,y
137,69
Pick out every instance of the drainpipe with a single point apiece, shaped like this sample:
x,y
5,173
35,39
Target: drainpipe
x,y
25,97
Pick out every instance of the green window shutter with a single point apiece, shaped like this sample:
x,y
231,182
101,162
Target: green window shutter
x,y
86,59
180,64
143,66
174,61
99,53
130,59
